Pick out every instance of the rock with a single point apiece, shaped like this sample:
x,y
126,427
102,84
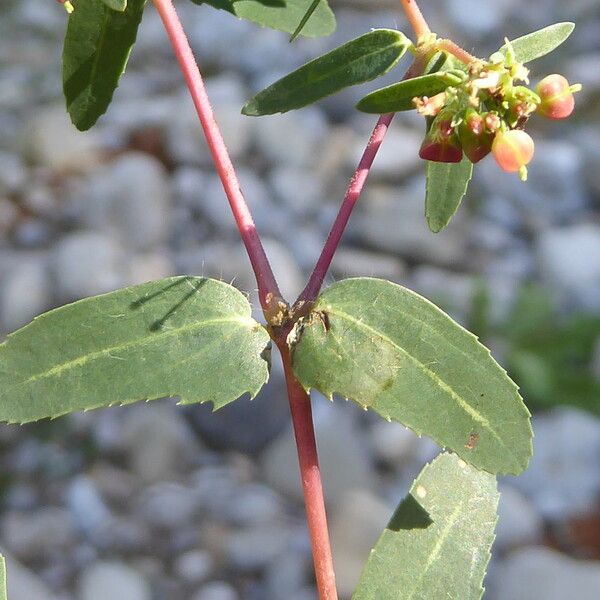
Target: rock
x,y
397,157
519,524
245,425
129,197
86,264
104,579
537,572
252,504
186,143
569,261
194,567
477,19
216,590
25,291
392,443
358,521
168,505
51,140
13,173
32,233
299,191
157,441
391,219
286,575
353,262
254,548
292,138
343,455
23,584
563,479
38,534
86,505
150,266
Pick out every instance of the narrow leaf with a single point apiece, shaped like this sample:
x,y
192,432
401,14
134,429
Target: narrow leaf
x,y
539,43
183,336
446,187
362,59
399,96
119,5
3,595
97,47
437,544
283,15
394,352
305,18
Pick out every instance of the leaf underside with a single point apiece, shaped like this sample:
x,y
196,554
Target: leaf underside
x,y
182,336
539,43
119,5
96,50
447,185
358,61
282,15
307,15
3,595
399,96
437,544
394,352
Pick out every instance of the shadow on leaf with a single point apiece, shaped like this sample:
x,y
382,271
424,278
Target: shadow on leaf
x,y
409,515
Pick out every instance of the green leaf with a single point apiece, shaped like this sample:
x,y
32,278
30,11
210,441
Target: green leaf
x,y
305,18
283,15
360,60
446,187
3,595
97,47
119,5
183,336
394,352
399,96
437,544
539,43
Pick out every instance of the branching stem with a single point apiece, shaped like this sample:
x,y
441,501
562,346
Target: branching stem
x,y
416,19
267,286
453,48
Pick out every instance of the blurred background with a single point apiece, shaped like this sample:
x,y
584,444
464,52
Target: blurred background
x,y
155,502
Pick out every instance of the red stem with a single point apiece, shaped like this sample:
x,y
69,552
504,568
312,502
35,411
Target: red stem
x,y
267,285
415,18
353,192
312,486
453,48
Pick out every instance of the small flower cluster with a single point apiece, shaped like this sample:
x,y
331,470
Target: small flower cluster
x,y
487,111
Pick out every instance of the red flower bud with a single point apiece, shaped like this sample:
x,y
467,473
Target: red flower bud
x,y
441,143
557,97
475,140
513,150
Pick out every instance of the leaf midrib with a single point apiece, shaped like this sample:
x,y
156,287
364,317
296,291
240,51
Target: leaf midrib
x,y
91,356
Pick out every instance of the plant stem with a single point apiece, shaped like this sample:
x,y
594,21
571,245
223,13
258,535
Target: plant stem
x,y
310,473
268,289
453,48
353,192
416,19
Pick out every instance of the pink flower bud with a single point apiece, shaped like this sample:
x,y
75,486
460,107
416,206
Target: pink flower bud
x,y
557,97
476,142
513,150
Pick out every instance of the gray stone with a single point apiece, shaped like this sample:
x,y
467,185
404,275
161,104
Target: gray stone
x,y
168,505
13,173
392,443
25,291
52,141
117,581
86,505
194,567
299,191
354,262
23,584
37,534
563,479
286,575
216,590
538,572
356,524
569,261
130,197
292,138
158,441
253,504
519,524
343,455
150,266
391,219
86,264
254,548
